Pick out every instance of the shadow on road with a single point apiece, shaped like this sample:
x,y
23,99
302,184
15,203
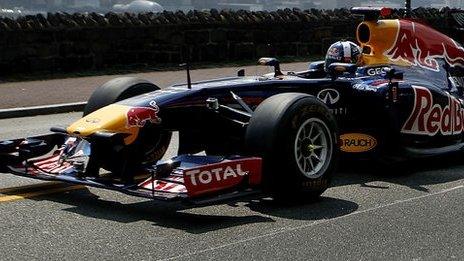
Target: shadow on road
x,y
415,175
175,216
169,215
324,208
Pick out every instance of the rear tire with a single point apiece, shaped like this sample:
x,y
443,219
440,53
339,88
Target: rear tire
x,y
296,135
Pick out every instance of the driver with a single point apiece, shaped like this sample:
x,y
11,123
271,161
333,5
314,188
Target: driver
x,y
343,52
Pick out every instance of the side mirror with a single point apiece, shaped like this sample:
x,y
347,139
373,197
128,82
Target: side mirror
x,y
317,66
338,69
241,73
268,61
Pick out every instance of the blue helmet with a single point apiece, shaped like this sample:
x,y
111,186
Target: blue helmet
x,y
342,52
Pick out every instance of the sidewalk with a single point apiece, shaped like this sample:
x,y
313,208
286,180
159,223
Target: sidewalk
x,y
34,93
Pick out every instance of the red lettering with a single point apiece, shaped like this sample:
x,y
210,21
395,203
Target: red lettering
x,y
428,118
433,122
446,119
422,103
461,113
457,121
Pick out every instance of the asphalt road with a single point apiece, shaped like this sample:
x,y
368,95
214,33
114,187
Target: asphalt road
x,y
416,215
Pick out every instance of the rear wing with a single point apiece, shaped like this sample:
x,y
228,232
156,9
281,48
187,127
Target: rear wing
x,y
372,13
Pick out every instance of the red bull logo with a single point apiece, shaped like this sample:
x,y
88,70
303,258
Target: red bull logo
x,y
429,118
419,45
139,116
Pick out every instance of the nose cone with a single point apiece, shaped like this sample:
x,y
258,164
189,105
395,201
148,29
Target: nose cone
x,y
112,118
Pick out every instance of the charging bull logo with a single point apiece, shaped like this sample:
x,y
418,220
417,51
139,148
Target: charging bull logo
x,y
421,46
429,118
139,116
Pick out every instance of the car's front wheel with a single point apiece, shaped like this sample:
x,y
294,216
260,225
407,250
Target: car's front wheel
x,y
151,143
296,135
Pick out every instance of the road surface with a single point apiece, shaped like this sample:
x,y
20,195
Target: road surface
x,y
34,93
364,216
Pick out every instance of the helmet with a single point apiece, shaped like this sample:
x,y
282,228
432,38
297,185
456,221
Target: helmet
x,y
342,52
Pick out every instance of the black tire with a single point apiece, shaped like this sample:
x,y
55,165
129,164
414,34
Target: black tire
x,y
152,142
272,134
116,90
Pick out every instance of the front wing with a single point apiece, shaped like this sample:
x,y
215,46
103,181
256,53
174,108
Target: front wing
x,y
187,178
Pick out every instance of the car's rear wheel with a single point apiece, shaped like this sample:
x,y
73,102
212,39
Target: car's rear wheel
x,y
296,135
151,143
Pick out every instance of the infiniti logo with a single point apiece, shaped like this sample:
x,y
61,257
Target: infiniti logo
x,y
329,96
92,120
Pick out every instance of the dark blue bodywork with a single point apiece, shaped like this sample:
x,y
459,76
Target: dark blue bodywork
x,y
367,102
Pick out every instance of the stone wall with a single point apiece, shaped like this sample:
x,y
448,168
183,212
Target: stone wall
x,y
67,43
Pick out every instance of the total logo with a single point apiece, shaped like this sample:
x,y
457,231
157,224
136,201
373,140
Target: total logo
x,y
429,118
223,175
329,96
198,177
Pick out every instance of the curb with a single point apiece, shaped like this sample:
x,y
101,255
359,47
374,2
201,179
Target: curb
x,y
41,110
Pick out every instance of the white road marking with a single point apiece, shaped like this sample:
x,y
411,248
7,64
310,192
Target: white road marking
x,y
289,229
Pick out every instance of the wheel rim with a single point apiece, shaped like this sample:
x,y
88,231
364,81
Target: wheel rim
x,y
313,148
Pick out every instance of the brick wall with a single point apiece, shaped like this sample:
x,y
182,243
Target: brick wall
x,y
66,43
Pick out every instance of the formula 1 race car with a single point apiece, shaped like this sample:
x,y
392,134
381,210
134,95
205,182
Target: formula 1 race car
x,y
280,134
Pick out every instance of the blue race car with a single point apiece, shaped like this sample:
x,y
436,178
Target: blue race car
x,y
398,95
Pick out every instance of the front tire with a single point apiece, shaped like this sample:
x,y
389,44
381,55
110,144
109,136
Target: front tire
x,y
116,90
296,135
152,142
